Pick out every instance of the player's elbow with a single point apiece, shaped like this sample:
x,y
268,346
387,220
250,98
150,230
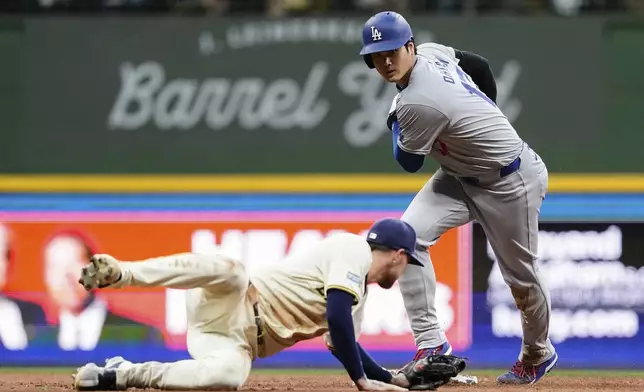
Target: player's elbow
x,y
409,162
212,374
327,341
410,168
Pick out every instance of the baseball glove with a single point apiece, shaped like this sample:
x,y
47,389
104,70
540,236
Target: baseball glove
x,y
431,372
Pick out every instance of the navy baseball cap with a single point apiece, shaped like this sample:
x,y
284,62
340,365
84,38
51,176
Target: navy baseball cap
x,y
394,234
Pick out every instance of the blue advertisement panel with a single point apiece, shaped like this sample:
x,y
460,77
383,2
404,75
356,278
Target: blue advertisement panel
x,y
594,272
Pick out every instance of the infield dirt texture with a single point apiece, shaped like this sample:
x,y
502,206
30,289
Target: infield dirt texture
x,y
26,379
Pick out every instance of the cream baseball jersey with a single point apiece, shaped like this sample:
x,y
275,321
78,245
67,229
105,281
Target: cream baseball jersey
x,y
292,292
442,113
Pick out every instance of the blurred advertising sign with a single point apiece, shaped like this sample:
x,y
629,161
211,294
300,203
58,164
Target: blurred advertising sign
x,y
594,273
207,92
40,273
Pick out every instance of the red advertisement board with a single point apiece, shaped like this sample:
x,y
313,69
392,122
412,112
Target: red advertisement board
x,y
43,259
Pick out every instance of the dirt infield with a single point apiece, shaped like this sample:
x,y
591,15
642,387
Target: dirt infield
x,y
259,382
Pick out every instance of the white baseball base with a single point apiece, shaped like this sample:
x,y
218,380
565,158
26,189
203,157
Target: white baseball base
x,y
465,379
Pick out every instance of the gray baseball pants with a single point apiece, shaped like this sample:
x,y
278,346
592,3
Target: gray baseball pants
x,y
508,210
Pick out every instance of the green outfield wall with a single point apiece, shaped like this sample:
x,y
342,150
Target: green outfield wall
x,y
203,95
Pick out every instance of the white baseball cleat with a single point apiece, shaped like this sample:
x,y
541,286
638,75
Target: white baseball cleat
x,y
94,378
116,362
103,270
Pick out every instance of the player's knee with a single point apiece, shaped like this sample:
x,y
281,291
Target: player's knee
x,y
220,375
428,233
228,382
223,383
521,296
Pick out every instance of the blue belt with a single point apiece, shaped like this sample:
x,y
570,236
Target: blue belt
x,y
503,172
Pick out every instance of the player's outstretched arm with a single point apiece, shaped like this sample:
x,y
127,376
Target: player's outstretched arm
x,y
345,347
479,70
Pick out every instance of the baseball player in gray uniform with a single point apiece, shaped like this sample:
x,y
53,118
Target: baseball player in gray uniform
x,y
445,108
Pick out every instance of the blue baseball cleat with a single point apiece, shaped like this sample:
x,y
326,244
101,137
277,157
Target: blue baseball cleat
x,y
444,348
522,373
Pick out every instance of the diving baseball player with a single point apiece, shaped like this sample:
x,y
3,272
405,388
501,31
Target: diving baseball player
x,y
445,108
235,316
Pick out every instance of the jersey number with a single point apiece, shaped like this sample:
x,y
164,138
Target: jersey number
x,y
466,81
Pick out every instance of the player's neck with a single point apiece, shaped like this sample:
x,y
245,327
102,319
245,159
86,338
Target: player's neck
x,y
373,275
376,273
404,81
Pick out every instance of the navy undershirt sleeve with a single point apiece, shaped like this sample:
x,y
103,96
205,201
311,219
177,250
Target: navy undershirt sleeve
x,y
345,347
355,359
479,70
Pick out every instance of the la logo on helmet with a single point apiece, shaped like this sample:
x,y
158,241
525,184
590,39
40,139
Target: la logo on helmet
x,y
375,34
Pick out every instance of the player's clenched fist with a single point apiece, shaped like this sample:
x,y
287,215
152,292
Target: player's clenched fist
x,y
103,270
364,384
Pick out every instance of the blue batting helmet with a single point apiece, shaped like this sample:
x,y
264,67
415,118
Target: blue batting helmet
x,y
384,31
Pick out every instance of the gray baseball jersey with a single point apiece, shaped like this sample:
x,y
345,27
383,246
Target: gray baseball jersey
x,y
441,113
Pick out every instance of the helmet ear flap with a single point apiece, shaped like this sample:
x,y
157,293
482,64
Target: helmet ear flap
x,y
369,61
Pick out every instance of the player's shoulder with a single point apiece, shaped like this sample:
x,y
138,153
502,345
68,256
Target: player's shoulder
x,y
347,240
427,89
418,102
347,249
348,245
424,84
434,49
